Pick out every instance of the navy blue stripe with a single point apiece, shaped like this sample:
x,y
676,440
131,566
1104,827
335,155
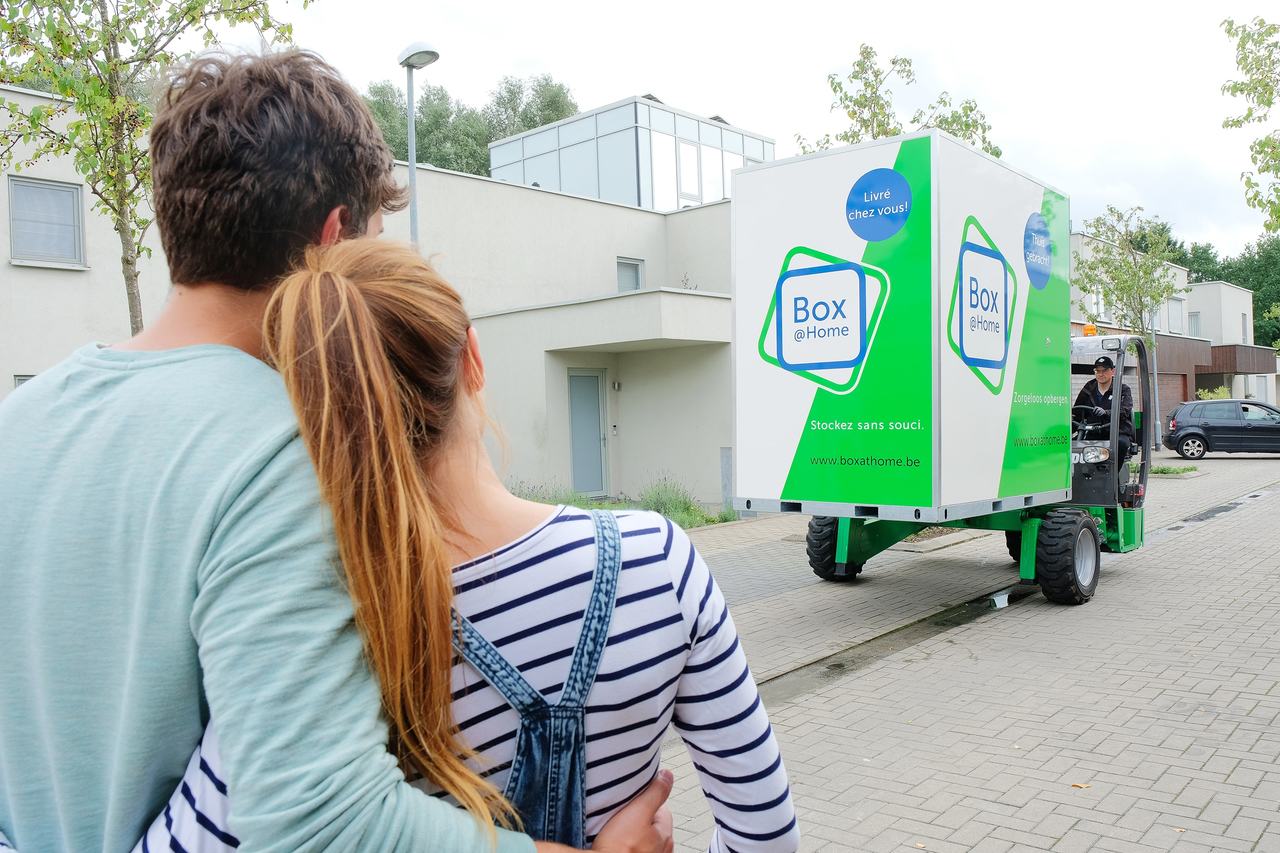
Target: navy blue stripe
x,y
516,568
741,780
643,531
630,752
208,771
706,595
203,819
714,662
724,614
613,783
559,516
753,807
729,753
763,836
688,570
628,798
485,747
483,715
621,730
716,694
635,700
474,687
585,577
643,594
539,628
644,664
174,846
644,629
146,848
719,724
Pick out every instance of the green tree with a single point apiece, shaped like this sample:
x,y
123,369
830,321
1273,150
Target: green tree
x,y
1133,281
865,96
97,58
1258,60
452,135
1200,259
520,105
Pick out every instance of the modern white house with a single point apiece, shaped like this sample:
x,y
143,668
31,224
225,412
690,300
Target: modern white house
x,y
605,326
60,283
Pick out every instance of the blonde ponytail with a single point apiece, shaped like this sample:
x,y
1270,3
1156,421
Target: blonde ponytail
x,y
371,341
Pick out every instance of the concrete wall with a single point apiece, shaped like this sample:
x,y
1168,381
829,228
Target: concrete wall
x,y
675,414
506,246
698,248
1221,305
48,311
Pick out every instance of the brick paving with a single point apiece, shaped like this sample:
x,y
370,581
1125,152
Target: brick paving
x,y
1160,699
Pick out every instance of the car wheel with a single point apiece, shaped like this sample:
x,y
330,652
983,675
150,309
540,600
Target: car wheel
x,y
1068,556
820,548
1192,447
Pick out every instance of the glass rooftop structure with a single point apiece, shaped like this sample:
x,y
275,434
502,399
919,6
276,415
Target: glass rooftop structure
x,y
638,152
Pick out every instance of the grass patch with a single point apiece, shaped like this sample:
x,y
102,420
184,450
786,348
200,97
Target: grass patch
x,y
1165,469
665,496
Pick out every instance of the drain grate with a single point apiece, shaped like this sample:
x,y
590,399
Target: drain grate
x,y
1212,512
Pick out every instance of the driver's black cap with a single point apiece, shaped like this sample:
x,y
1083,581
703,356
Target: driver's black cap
x,y
1105,361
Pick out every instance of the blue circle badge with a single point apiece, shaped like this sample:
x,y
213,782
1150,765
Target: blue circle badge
x,y
1037,251
878,205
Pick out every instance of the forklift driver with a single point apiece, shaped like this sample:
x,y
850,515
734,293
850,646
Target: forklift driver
x,y
1097,393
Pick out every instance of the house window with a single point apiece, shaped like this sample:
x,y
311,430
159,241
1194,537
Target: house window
x,y
630,274
1175,316
1244,328
46,221
1193,324
19,378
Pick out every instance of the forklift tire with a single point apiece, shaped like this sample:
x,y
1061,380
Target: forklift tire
x,y
1068,556
1013,541
820,546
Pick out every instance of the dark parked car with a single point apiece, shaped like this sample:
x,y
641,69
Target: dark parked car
x,y
1223,426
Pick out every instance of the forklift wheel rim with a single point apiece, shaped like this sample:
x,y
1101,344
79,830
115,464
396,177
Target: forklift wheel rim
x,y
1086,558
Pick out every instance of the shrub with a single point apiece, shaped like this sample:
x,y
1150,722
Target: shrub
x,y
1222,392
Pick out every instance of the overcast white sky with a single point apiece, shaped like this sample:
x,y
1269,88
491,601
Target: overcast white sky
x,y
1112,102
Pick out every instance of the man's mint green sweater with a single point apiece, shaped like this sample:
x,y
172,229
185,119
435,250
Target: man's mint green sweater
x,y
164,556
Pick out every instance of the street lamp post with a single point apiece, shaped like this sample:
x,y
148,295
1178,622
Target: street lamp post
x,y
417,55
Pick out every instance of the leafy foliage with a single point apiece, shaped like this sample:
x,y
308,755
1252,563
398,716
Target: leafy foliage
x,y
1222,392
1258,60
865,96
1126,265
452,135
98,58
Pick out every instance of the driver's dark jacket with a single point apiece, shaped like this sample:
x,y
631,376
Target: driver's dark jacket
x,y
1089,396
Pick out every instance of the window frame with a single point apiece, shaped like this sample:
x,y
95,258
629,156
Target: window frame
x,y
638,263
31,259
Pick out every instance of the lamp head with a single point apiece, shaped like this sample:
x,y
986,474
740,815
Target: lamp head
x,y
418,55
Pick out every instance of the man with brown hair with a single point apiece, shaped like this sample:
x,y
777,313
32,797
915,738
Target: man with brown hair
x,y
165,552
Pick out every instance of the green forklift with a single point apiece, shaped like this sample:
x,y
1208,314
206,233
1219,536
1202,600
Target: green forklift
x,y
1056,545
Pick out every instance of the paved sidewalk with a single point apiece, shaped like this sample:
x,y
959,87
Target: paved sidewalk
x,y
1161,697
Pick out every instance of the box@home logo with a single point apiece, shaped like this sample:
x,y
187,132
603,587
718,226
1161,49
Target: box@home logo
x,y
822,318
983,300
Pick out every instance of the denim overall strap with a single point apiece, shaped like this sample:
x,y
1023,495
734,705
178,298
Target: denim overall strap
x,y
548,780
599,612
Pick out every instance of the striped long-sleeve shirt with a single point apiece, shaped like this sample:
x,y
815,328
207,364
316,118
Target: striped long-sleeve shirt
x,y
673,658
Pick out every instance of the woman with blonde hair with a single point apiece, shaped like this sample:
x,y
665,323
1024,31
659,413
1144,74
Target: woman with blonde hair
x,y
531,657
